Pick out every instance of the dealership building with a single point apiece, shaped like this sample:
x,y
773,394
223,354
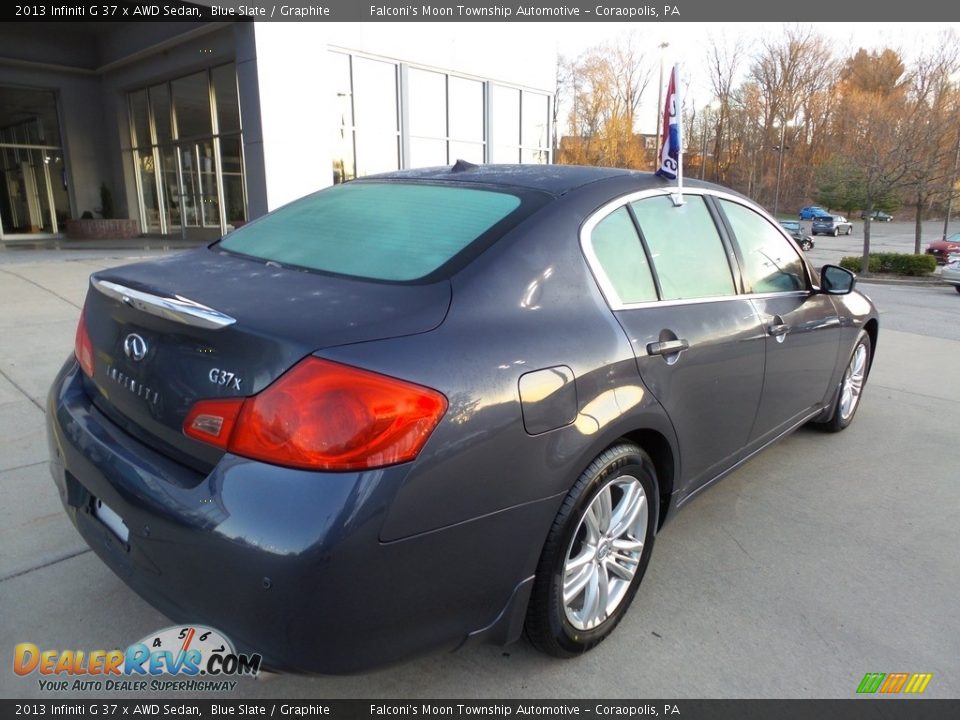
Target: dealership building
x,y
196,128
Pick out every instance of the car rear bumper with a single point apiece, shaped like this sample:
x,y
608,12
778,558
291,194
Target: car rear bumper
x,y
288,563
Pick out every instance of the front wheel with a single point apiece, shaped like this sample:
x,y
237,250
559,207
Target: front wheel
x,y
596,553
836,231
851,386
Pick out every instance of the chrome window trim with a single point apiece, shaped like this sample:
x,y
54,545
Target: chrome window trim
x,y
610,293
175,308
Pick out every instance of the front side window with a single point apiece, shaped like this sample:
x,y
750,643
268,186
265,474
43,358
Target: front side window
x,y
685,248
770,263
620,255
379,231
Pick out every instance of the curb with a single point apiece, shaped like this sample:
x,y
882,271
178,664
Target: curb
x,y
915,282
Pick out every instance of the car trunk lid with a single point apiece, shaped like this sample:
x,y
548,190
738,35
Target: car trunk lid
x,y
210,324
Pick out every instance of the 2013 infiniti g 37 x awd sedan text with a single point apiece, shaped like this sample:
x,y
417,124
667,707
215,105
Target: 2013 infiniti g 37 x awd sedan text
x,y
439,406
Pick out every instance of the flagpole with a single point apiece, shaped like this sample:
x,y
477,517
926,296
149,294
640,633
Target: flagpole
x,y
678,197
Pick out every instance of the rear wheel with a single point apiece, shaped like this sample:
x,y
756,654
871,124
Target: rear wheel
x,y
596,553
851,386
850,230
836,231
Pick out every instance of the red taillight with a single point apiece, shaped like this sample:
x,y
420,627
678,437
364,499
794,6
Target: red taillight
x,y
82,347
327,416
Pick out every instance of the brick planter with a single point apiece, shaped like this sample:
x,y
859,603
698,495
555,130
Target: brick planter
x,y
98,229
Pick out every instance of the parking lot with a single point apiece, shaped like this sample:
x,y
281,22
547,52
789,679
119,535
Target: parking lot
x,y
824,558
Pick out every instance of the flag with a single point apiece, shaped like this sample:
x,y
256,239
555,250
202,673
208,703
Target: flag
x,y
670,147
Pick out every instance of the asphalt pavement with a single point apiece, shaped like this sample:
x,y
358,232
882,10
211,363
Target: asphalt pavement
x,y
826,557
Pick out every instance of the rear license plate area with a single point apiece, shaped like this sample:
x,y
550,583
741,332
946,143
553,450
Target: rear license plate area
x,y
109,517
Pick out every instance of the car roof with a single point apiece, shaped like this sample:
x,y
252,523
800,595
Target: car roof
x,y
553,179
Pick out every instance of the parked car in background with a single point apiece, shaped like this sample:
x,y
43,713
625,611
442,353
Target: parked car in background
x,y
793,227
831,225
942,249
357,429
811,212
951,273
877,216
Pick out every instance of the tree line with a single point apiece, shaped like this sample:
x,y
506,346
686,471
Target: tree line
x,y
789,122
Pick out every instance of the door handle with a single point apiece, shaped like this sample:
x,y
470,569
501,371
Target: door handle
x,y
667,347
778,328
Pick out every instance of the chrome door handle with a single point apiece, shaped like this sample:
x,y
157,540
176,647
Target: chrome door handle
x,y
667,347
778,329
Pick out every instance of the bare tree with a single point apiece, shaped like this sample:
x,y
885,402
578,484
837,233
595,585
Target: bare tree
x,y
606,85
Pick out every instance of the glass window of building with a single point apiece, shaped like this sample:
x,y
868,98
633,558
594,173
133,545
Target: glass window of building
x,y
375,112
33,180
535,128
188,154
505,122
343,165
427,113
465,108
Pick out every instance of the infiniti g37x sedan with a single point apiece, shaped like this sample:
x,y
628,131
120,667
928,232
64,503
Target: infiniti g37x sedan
x,y
439,407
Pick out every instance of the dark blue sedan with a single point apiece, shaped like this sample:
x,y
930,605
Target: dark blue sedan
x,y
438,407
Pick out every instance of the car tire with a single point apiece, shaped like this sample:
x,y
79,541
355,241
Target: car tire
x,y
850,230
851,385
836,231
957,288
592,563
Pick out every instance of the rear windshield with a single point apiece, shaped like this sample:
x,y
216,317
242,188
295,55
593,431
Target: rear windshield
x,y
378,230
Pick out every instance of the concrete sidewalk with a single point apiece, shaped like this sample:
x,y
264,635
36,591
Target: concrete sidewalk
x,y
826,557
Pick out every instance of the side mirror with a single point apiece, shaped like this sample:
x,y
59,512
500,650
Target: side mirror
x,y
835,280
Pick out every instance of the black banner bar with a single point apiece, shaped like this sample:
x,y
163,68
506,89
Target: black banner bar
x,y
618,11
856,709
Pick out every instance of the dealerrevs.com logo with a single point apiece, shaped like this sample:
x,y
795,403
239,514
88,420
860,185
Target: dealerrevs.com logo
x,y
200,657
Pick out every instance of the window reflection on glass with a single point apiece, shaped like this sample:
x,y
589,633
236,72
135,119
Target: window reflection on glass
x,y
376,152
375,116
231,149
39,105
160,100
171,187
466,110
471,152
141,118
534,121
225,90
427,92
343,166
426,152
148,186
505,122
191,103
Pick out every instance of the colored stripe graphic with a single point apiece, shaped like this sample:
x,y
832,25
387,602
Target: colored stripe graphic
x,y
871,682
893,683
918,682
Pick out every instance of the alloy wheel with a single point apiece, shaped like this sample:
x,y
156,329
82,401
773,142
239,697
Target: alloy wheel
x,y
604,553
853,379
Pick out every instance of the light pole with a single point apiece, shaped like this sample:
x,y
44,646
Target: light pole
x,y
781,148
656,160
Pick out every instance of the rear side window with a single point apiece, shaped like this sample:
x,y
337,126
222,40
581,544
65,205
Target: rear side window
x,y
620,255
770,262
685,247
378,231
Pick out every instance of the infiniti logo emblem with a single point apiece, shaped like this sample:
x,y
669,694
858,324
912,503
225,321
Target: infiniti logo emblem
x,y
135,347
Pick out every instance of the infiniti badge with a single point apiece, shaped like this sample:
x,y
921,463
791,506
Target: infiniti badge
x,y
135,347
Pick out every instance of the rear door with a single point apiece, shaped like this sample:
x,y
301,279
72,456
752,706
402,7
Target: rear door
x,y
670,279
801,328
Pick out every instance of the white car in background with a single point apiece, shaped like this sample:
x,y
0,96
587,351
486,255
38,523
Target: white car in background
x,y
951,272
